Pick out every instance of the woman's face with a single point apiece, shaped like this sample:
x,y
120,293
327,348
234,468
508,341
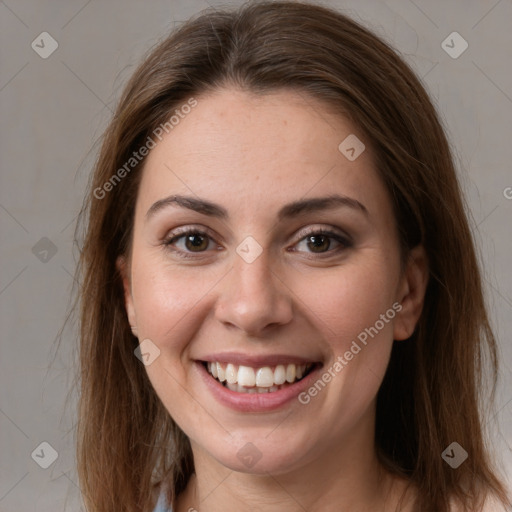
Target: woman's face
x,y
262,249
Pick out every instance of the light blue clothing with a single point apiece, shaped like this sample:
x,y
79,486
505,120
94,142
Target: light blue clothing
x,y
160,506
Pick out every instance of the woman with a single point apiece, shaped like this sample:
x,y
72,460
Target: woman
x,y
281,304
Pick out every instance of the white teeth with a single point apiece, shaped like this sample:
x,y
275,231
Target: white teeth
x,y
231,373
264,377
242,389
256,380
221,374
246,376
290,373
280,374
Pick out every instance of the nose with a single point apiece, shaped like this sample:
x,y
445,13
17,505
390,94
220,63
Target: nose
x,y
254,298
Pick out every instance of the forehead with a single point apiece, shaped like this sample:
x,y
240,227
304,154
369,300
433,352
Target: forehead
x,y
258,151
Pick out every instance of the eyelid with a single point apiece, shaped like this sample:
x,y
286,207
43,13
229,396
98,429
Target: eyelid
x,y
189,228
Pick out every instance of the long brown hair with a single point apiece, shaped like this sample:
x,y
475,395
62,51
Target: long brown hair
x,y
432,392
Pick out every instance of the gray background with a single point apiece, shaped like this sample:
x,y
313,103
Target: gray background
x,y
53,112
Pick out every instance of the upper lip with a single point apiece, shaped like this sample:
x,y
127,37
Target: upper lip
x,y
256,361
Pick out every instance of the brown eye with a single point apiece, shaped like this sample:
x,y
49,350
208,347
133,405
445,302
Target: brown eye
x,y
322,242
318,243
196,242
189,241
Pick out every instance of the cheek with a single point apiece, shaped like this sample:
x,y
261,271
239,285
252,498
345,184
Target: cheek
x,y
348,299
354,313
165,298
169,303
353,309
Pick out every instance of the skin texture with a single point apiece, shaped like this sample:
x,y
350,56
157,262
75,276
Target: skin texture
x,y
252,155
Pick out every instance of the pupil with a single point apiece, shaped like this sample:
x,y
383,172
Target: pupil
x,y
319,242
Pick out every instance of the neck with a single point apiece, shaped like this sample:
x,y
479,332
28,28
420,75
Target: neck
x,y
350,475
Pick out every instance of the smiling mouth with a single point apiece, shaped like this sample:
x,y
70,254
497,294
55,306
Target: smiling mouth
x,y
266,379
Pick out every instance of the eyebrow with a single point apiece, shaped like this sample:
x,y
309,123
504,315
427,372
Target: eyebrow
x,y
302,206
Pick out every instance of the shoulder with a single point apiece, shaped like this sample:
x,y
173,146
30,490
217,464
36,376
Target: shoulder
x,y
408,493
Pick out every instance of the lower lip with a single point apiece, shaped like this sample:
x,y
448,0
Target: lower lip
x,y
255,402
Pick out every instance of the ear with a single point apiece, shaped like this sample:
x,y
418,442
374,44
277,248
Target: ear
x,y
411,293
123,268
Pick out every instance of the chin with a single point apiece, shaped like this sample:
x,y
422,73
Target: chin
x,y
260,457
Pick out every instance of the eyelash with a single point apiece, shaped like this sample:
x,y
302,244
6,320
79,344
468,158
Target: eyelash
x,y
168,243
